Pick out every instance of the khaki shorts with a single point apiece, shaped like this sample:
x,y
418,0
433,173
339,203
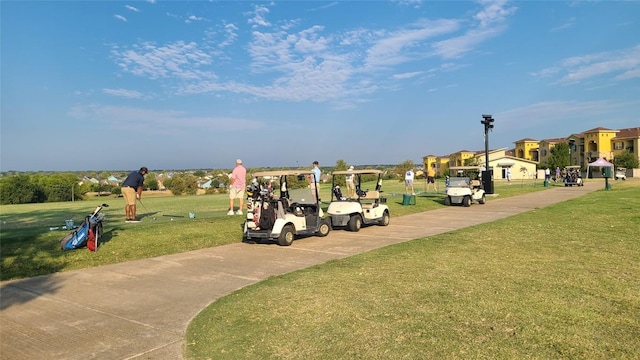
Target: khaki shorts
x,y
235,193
129,195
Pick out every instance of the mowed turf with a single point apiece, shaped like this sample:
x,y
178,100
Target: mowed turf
x,y
28,247
555,283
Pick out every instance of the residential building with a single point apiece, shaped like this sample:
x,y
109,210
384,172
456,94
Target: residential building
x,y
461,158
527,149
627,140
545,147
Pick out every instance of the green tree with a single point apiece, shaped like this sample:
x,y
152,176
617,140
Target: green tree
x,y
626,160
151,184
403,167
341,165
17,189
58,187
559,156
183,184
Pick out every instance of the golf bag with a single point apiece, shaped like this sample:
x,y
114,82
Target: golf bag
x,y
87,234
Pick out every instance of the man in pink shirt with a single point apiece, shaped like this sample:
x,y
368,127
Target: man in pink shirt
x,y
238,182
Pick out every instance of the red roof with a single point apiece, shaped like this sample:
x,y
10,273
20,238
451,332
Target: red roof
x,y
526,139
554,140
628,133
599,129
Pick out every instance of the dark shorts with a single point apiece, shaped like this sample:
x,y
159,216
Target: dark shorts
x,y
431,180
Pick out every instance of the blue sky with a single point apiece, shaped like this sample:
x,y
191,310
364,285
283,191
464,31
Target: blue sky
x,y
115,85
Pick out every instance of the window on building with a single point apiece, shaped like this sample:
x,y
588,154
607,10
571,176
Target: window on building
x,y
618,145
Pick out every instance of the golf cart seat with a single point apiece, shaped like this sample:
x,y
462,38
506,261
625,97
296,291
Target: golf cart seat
x,y
371,195
475,184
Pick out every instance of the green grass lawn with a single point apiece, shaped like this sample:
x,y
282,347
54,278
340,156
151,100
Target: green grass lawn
x,y
29,248
560,282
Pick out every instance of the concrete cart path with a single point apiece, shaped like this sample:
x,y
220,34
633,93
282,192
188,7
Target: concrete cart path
x,y
141,309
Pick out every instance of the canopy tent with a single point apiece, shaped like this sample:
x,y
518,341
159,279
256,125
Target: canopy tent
x,y
601,162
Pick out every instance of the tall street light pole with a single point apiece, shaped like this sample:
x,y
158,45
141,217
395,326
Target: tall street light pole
x,y
487,175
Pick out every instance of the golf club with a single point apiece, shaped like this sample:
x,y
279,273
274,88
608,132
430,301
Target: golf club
x,y
145,208
177,216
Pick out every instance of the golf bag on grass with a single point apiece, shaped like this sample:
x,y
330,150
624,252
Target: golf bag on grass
x,y
87,234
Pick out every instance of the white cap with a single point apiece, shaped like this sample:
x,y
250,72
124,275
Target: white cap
x,y
238,161
351,167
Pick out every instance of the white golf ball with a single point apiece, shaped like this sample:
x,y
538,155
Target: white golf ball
x,y
171,219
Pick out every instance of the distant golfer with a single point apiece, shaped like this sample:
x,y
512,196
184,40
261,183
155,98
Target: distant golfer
x,y
408,182
132,190
314,180
351,188
238,182
431,177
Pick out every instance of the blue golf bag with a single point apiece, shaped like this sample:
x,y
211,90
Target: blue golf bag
x,y
87,234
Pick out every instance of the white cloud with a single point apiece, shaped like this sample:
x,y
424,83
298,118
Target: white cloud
x,y
621,64
131,94
458,46
494,12
589,66
181,60
120,17
309,64
414,3
231,34
396,47
258,18
129,7
193,18
566,25
407,75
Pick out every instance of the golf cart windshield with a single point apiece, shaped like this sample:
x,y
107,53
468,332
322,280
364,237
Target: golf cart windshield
x,y
459,182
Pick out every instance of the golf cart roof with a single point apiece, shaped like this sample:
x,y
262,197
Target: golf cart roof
x,y
360,171
573,167
274,173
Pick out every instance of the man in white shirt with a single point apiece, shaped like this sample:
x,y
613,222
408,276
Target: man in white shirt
x,y
408,182
351,189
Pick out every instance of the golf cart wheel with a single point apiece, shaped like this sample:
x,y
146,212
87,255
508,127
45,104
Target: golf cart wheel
x,y
447,201
483,199
466,201
286,236
325,227
385,219
355,223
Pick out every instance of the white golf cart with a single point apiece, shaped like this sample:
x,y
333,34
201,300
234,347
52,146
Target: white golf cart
x,y
621,173
464,187
363,207
295,211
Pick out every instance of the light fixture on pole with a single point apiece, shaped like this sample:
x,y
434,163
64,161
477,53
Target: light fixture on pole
x,y
487,175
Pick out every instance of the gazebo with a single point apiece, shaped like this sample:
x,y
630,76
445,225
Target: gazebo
x,y
601,162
